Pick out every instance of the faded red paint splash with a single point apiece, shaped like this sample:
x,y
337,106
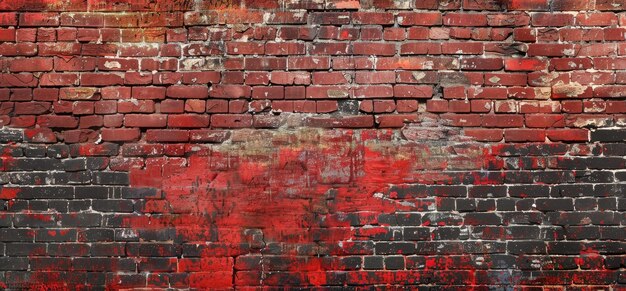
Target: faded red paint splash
x,y
291,188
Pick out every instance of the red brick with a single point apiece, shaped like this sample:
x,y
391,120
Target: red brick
x,y
552,50
100,79
39,19
373,48
363,77
325,106
308,63
482,64
411,91
230,91
330,78
395,120
231,120
541,5
488,135
83,108
245,48
456,92
382,18
53,121
505,79
394,34
328,92
105,107
567,64
470,120
217,106
406,106
596,19
465,19
568,135
524,135
437,106
419,18
502,120
40,135
135,106
31,65
193,105
374,91
194,92
145,120
420,48
506,106
167,135
187,121
305,106
58,79
208,135
421,33
120,134
269,92
508,19
344,121
552,19
290,78
545,120
34,108
8,18
462,48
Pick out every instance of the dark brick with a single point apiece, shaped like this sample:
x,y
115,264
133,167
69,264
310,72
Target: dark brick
x,y
73,165
529,191
11,135
373,263
416,233
554,204
140,193
110,178
68,249
26,249
13,263
608,135
55,235
113,205
56,192
96,235
526,247
394,263
79,219
36,164
58,151
396,248
34,151
95,192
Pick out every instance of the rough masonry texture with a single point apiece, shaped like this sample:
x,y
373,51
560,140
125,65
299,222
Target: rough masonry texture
x,y
313,144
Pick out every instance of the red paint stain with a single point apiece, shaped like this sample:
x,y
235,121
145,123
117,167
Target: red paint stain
x,y
245,196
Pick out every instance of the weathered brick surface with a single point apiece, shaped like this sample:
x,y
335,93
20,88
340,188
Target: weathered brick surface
x,y
321,144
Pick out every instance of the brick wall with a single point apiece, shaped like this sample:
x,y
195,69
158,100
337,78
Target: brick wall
x,y
315,143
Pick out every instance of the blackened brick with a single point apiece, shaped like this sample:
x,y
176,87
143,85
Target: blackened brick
x,y
113,205
394,263
526,247
13,263
396,248
110,178
373,263
608,135
10,135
